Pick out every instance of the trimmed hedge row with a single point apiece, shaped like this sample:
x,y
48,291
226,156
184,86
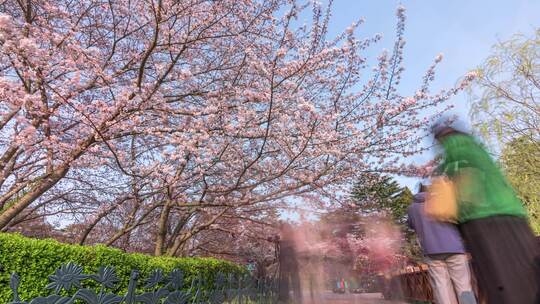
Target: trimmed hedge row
x,y
34,260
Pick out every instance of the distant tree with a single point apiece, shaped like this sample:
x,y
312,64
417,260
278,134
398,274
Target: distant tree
x,y
411,248
399,208
521,160
375,193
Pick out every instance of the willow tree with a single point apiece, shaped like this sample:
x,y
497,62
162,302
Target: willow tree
x,y
505,95
505,111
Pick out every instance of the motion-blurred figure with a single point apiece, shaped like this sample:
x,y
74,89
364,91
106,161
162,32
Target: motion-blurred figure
x,y
289,276
444,253
492,221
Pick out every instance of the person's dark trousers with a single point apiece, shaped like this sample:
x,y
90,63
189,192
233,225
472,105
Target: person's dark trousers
x,y
504,251
295,283
289,280
538,272
283,288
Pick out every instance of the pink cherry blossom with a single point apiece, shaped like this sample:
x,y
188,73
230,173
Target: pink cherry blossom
x,y
212,109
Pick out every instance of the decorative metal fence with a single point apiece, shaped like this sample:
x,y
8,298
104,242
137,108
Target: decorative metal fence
x,y
66,286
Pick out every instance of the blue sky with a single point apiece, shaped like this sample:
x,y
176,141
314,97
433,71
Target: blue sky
x,y
463,31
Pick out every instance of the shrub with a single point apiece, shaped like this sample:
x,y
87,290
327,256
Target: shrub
x,y
34,260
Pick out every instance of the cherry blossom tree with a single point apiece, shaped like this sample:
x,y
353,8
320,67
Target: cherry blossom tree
x,y
168,116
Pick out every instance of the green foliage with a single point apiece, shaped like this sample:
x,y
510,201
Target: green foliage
x,y
399,207
411,248
521,160
505,95
34,260
376,193
372,189
505,101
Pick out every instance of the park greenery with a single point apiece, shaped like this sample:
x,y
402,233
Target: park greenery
x,y
376,193
506,111
35,260
520,159
382,194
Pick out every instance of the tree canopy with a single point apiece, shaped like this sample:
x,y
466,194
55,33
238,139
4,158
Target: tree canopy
x,y
174,124
520,159
505,95
506,112
374,192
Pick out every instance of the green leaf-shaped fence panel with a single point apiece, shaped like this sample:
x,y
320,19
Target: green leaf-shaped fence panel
x,y
70,285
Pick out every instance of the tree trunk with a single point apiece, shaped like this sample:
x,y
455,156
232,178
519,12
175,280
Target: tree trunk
x,y
117,235
43,185
179,226
100,216
162,228
10,152
13,191
181,239
127,228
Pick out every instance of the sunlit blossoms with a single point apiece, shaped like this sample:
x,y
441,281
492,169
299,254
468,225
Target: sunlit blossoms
x,y
159,119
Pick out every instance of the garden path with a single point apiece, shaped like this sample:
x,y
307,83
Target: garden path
x,y
363,298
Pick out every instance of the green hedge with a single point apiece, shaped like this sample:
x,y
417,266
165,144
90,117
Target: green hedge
x,y
34,260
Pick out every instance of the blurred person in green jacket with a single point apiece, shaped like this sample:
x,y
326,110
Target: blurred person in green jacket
x,y
492,221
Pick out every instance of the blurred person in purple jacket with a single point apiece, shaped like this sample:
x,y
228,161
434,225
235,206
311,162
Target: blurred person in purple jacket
x,y
444,254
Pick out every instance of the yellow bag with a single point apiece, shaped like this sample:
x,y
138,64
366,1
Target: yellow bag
x,y
441,200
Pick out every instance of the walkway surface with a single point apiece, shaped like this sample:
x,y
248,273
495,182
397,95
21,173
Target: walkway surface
x,y
364,298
